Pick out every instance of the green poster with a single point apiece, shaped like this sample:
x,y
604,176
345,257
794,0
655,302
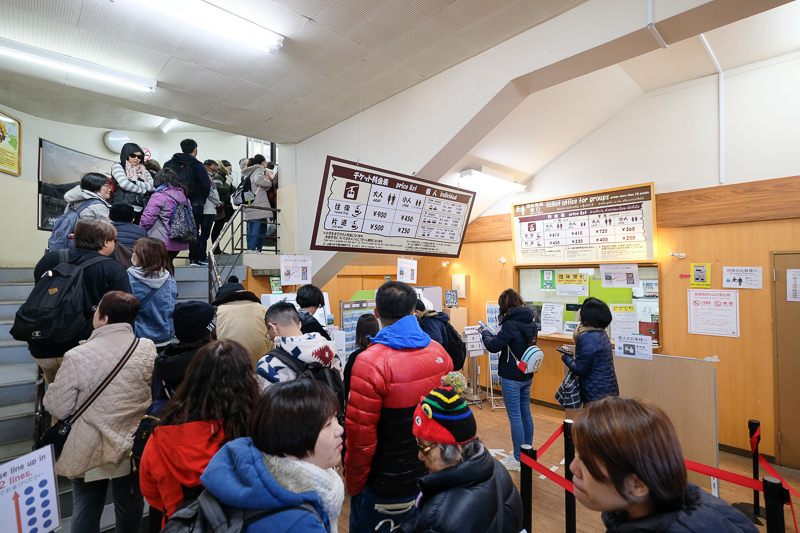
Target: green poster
x,y
548,280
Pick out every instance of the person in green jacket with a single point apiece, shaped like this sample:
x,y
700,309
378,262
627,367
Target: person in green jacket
x,y
224,183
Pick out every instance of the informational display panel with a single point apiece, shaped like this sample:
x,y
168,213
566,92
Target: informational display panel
x,y
714,313
614,225
367,209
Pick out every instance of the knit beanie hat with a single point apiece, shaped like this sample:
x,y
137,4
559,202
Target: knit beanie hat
x,y
194,320
121,212
232,285
443,416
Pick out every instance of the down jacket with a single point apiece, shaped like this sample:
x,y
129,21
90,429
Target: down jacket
x,y
400,366
104,433
240,316
701,512
594,363
433,323
98,210
475,496
516,330
260,181
155,217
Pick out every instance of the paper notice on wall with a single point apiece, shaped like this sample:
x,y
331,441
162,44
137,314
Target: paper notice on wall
x,y
29,493
793,285
295,269
407,270
741,277
634,347
572,284
552,318
713,313
701,275
620,276
624,320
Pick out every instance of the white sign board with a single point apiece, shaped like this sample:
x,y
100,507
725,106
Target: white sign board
x,y
295,269
407,270
29,493
634,346
624,320
576,284
793,284
620,276
742,277
552,318
713,312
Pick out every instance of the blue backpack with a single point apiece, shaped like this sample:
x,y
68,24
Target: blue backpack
x,y
65,226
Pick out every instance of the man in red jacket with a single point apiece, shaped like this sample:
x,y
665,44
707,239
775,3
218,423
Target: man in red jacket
x,y
388,379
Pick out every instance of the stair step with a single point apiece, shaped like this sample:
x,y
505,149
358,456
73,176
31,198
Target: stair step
x,y
15,449
15,291
5,328
14,352
16,275
8,308
18,374
16,428
16,411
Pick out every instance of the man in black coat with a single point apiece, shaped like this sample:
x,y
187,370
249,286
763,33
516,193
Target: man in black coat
x,y
122,216
92,239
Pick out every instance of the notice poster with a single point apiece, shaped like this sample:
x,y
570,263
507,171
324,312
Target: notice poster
x,y
620,275
741,277
793,285
713,313
548,280
634,347
10,139
598,227
295,269
701,275
367,209
29,493
572,284
552,318
275,285
624,320
407,270
451,298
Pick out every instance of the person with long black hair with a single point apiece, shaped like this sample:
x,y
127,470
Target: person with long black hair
x,y
133,182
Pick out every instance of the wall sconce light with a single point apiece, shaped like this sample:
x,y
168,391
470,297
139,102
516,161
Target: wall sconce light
x,y
445,263
502,260
679,256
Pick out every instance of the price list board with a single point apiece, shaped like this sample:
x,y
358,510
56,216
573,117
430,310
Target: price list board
x,y
350,311
367,209
603,226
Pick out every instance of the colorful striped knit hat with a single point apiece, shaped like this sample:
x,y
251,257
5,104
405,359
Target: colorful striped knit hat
x,y
443,416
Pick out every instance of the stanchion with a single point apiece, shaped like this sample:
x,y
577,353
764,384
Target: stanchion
x,y
754,511
526,488
570,524
774,498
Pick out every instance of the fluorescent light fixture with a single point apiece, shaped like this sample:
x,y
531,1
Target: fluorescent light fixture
x,y
476,180
167,124
216,20
75,66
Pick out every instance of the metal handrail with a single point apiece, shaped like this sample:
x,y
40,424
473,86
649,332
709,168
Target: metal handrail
x,y
236,235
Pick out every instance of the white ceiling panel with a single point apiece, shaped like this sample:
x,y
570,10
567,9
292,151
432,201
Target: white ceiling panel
x,y
419,39
305,8
345,15
340,56
683,61
389,21
67,12
104,18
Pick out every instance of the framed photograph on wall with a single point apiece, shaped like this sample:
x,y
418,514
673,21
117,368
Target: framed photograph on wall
x,y
10,144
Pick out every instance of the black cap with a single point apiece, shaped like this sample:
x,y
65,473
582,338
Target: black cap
x,y
194,320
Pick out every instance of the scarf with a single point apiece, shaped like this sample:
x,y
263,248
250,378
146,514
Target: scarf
x,y
583,329
134,173
301,476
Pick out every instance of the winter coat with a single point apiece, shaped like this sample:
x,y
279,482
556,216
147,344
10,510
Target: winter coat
x,y
309,324
155,217
348,370
594,363
199,175
104,433
128,233
389,378
98,210
98,279
238,476
433,324
240,316
516,330
174,456
154,320
210,207
477,496
260,181
308,348
701,513
170,367
132,192
224,185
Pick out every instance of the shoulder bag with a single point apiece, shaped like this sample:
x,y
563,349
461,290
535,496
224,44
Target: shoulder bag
x,y
569,392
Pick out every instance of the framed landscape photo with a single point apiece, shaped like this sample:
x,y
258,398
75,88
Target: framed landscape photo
x,y
10,144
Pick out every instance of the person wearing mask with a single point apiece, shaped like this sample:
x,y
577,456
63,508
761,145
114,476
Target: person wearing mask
x,y
152,281
310,299
122,216
366,328
133,182
97,449
258,220
156,216
517,331
95,190
240,316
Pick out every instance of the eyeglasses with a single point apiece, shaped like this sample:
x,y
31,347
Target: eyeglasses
x,y
106,186
426,449
137,156
94,309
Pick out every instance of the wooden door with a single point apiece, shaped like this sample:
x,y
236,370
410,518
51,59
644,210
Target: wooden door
x,y
786,342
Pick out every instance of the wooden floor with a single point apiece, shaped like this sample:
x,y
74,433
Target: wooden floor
x,y
548,498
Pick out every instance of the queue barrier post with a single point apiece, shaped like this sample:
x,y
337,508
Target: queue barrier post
x,y
754,428
570,523
775,496
526,487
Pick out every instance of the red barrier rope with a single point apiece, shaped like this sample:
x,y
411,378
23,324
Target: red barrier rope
x,y
546,472
551,440
730,477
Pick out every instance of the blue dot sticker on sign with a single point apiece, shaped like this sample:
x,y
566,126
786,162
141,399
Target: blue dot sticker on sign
x,y
29,494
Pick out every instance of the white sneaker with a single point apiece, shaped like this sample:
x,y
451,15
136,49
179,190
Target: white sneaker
x,y
510,463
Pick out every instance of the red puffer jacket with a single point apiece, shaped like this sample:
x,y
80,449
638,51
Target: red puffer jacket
x,y
385,388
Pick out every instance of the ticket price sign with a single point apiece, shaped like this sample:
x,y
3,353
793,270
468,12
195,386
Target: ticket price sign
x,y
367,209
29,494
605,226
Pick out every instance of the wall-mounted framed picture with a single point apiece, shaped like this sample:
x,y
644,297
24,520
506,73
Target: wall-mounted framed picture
x,y
10,144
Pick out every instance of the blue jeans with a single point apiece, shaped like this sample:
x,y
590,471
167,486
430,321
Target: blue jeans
x,y
256,230
88,500
375,512
517,397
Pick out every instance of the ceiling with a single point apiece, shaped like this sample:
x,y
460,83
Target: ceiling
x,y
338,57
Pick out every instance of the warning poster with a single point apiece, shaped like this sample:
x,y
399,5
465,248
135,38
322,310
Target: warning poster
x,y
367,209
606,226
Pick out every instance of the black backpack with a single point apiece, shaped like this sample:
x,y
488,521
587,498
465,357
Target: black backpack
x,y
316,371
54,311
206,513
456,348
243,193
185,176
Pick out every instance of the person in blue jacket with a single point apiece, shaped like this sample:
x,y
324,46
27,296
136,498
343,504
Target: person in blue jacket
x,y
289,460
154,285
517,331
593,356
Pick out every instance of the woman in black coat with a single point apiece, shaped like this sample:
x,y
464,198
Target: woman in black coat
x,y
517,331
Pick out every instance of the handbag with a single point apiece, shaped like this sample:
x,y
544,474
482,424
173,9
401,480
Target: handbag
x,y
569,392
531,360
57,435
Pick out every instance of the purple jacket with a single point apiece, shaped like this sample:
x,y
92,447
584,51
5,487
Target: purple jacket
x,y
155,218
